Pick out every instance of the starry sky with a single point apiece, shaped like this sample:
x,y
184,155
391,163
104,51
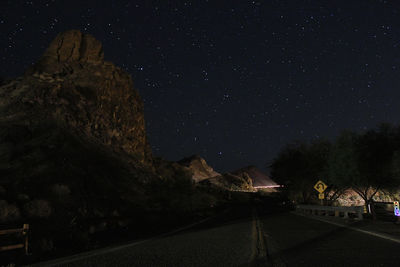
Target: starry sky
x,y
232,81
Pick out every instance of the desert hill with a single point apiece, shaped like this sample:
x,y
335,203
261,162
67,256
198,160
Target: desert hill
x,y
205,175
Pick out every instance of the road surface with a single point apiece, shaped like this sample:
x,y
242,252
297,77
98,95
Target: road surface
x,y
230,239
293,240
242,237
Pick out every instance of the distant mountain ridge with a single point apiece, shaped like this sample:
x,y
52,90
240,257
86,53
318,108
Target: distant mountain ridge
x,y
248,178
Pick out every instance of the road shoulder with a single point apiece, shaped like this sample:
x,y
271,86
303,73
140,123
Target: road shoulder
x,y
385,230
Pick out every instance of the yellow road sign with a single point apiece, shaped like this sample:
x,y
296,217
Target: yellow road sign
x,y
321,196
320,186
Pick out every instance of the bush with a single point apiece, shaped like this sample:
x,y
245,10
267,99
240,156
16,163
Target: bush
x,y
60,190
38,208
8,212
202,200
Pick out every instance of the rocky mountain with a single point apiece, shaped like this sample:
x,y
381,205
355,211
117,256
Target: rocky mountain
x,y
75,161
73,146
72,86
204,174
199,168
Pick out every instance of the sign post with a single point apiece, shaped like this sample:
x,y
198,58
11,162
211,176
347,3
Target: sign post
x,y
320,187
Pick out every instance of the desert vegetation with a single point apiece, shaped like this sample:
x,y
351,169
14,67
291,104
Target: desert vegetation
x,y
367,163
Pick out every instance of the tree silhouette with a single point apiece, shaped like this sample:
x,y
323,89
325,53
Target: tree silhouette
x,y
299,166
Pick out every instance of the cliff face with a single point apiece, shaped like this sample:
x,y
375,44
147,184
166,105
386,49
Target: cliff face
x,y
72,139
72,85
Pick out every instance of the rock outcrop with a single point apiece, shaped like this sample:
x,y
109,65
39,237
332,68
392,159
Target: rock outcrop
x,y
204,174
73,86
73,144
71,47
199,168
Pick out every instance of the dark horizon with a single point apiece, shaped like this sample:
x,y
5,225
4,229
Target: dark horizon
x,y
232,82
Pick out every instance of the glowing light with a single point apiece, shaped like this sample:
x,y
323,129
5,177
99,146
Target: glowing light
x,y
396,208
268,186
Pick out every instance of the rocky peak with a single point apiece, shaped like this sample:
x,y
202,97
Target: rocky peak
x,y
68,48
73,86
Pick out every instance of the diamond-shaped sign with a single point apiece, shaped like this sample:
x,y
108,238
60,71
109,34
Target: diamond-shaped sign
x,y
320,186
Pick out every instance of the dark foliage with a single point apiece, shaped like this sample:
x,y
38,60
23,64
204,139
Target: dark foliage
x,y
366,162
298,166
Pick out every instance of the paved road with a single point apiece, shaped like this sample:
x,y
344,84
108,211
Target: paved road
x,y
230,239
293,240
243,237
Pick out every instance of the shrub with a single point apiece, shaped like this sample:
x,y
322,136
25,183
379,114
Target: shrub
x,y
8,212
60,190
38,208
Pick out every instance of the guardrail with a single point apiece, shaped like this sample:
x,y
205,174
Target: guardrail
x,y
331,210
23,231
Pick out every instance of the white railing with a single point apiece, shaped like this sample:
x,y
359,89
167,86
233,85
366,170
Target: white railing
x,y
331,210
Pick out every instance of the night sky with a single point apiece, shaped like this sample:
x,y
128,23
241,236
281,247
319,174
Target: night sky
x,y
232,81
